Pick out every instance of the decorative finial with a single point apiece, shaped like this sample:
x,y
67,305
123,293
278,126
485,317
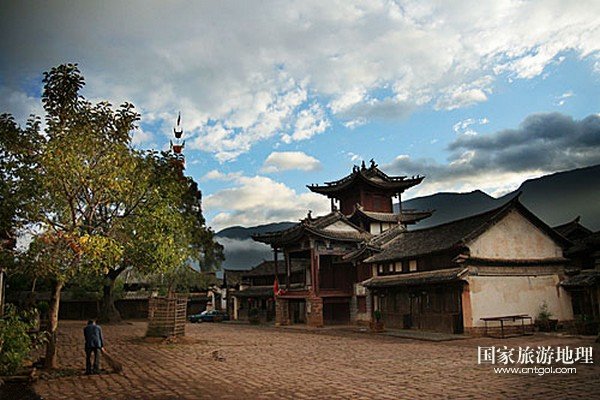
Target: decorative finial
x,y
177,130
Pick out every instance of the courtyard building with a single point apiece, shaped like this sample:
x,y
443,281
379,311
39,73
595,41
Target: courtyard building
x,y
362,257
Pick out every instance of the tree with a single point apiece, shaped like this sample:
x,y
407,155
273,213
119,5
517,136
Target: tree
x,y
100,205
18,188
165,233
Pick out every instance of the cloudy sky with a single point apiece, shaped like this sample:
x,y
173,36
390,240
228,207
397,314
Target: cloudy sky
x,y
275,95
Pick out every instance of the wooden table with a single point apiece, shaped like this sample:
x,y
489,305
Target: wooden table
x,y
509,318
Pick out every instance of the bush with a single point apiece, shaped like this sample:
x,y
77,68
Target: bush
x,y
377,315
15,342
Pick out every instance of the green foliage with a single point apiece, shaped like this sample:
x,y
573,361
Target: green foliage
x,y
100,205
16,343
544,314
43,307
377,315
18,184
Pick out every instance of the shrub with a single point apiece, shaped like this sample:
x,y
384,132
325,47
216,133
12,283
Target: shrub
x,y
543,313
377,315
15,342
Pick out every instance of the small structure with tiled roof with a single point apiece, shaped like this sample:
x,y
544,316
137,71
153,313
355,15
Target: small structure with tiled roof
x,y
254,288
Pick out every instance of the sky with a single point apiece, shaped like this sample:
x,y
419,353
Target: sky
x,y
275,95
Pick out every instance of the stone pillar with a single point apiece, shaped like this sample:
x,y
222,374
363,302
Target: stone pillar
x,y
282,312
369,300
314,311
467,312
353,308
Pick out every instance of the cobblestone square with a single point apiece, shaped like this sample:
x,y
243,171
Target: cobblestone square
x,y
234,361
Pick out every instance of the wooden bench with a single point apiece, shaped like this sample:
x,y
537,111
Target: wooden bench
x,y
509,318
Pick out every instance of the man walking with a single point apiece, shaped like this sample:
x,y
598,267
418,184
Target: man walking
x,y
93,344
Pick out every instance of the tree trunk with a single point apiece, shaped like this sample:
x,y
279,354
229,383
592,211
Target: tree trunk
x,y
108,311
50,361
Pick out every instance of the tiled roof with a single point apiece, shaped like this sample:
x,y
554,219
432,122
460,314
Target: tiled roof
x,y
315,226
454,234
573,230
589,244
267,268
372,176
416,278
584,278
406,217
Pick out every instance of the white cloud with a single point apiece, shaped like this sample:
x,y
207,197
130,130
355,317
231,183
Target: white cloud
x,y
560,100
464,127
260,200
355,123
284,161
309,122
244,72
216,175
354,157
19,104
141,136
466,94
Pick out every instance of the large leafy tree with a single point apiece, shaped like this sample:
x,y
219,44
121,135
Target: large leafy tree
x,y
19,149
102,206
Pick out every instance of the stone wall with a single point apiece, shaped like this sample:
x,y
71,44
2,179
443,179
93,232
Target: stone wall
x,y
314,311
282,312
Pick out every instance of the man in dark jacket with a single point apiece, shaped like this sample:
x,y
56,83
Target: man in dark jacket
x,y
93,344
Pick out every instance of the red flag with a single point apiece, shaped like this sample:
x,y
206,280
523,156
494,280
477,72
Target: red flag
x,y
275,287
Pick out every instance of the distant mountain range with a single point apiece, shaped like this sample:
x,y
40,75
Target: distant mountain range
x,y
239,232
556,199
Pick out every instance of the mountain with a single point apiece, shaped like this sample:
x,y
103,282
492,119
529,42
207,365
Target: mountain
x,y
560,197
556,199
449,206
241,252
239,232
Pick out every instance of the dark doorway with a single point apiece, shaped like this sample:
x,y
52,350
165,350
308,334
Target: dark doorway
x,y
336,311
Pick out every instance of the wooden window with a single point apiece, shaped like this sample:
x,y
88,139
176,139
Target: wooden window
x,y
412,265
405,266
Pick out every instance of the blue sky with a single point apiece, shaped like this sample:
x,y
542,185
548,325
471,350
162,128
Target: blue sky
x,y
276,95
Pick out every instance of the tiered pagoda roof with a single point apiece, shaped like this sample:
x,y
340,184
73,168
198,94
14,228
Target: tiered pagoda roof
x,y
371,176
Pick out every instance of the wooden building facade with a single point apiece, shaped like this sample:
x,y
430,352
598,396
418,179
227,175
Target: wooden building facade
x,y
361,208
449,277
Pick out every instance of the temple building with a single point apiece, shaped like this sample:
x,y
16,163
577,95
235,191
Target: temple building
x,y
498,266
365,198
361,209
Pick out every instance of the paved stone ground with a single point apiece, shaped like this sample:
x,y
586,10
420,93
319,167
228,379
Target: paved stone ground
x,y
270,363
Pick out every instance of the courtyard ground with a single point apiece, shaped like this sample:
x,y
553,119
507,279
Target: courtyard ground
x,y
235,361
